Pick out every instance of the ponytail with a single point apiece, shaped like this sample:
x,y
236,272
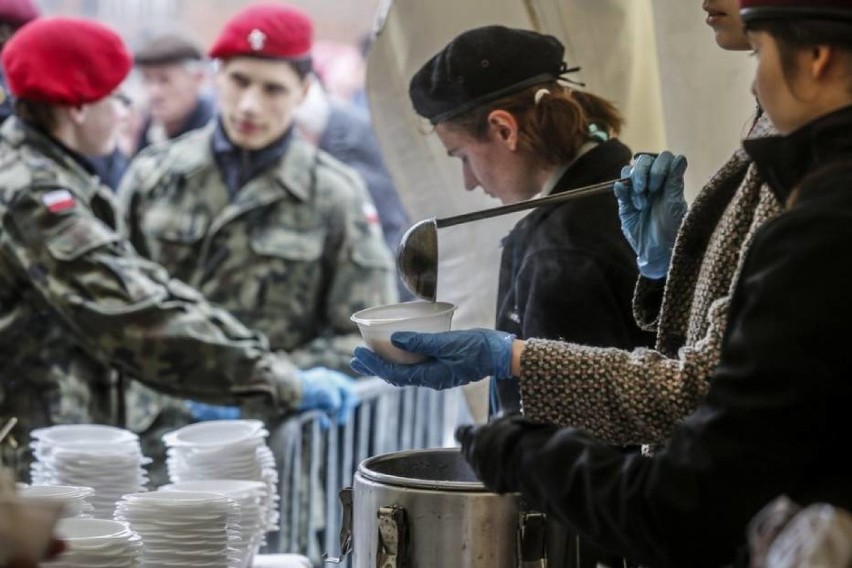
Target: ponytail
x,y
554,121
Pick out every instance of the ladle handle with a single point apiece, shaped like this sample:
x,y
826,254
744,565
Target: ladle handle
x,y
530,204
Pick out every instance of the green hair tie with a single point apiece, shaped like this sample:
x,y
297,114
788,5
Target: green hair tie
x,y
597,134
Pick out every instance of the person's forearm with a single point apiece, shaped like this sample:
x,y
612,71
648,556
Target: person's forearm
x,y
517,349
623,397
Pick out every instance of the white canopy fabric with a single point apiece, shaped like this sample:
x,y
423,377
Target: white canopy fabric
x,y
656,60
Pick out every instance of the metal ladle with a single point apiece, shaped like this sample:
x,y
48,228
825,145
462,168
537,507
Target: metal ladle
x,y
417,253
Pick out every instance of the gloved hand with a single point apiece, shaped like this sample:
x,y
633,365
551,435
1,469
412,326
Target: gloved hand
x,y
651,209
455,358
330,391
490,449
203,411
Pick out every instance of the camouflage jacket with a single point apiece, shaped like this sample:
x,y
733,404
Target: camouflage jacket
x,y
77,302
296,252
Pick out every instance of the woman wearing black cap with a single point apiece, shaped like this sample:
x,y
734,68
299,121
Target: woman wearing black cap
x,y
774,419
495,98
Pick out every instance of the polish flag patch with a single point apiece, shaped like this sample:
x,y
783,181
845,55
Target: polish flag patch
x,y
58,200
370,213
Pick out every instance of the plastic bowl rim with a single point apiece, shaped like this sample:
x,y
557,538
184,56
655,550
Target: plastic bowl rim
x,y
356,317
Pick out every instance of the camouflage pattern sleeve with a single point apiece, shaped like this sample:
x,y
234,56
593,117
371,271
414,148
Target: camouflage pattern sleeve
x,y
363,274
126,312
135,181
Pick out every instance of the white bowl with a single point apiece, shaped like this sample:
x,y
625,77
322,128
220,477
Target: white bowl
x,y
215,433
55,491
230,487
378,323
72,433
87,529
189,498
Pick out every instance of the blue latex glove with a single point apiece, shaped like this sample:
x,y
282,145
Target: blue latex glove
x,y
204,411
651,209
330,391
455,358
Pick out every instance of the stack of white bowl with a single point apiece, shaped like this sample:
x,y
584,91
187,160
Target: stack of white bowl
x,y
225,449
74,499
97,542
249,496
105,458
184,528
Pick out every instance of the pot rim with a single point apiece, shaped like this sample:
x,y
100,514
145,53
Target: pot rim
x,y
413,482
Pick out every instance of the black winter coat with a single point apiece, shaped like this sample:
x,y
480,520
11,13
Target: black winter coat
x,y
776,418
567,272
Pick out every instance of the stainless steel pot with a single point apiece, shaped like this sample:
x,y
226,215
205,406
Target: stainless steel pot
x,y
426,509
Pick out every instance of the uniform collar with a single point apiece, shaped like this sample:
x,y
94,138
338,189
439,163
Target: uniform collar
x,y
297,172
783,161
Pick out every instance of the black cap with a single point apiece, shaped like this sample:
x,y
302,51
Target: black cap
x,y
481,66
752,10
168,48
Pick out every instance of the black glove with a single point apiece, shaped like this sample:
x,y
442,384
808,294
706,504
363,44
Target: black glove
x,y
492,449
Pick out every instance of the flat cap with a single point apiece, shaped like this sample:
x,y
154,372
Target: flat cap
x,y
168,48
272,30
482,65
18,12
752,10
65,61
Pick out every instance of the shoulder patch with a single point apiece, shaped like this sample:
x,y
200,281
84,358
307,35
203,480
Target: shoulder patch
x,y
58,200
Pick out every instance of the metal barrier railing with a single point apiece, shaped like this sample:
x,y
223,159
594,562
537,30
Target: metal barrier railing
x,y
314,464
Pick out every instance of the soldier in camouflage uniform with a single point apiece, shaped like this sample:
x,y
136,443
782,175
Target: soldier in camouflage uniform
x,y
279,233
77,302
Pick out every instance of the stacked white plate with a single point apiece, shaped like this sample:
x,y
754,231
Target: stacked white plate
x,y
105,458
184,528
249,496
97,542
74,499
225,449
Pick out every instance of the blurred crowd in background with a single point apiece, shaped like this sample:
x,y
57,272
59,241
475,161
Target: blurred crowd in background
x,y
342,38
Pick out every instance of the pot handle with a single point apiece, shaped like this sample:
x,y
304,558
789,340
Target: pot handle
x,y
532,540
345,496
393,537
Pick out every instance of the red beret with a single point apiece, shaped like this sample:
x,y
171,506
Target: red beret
x,y
271,30
18,12
65,61
795,9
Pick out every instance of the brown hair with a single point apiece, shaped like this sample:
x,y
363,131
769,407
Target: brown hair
x,y
38,114
555,127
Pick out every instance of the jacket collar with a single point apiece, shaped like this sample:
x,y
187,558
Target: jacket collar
x,y
586,168
197,155
783,161
288,152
